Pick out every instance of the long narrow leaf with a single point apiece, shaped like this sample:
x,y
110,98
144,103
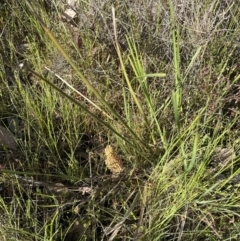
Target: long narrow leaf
x,y
82,107
83,78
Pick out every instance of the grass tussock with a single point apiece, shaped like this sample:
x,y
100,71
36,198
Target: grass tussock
x,y
121,121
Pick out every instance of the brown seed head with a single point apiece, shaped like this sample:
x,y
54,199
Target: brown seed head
x,y
113,161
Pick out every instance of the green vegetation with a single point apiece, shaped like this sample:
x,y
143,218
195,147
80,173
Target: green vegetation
x,y
157,82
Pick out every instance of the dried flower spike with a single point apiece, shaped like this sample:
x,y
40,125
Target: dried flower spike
x,y
113,161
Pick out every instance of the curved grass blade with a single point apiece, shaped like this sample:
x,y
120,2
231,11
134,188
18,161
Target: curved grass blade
x,y
83,78
83,108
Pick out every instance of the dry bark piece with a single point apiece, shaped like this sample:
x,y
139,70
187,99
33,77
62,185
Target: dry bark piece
x,y
223,156
7,139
